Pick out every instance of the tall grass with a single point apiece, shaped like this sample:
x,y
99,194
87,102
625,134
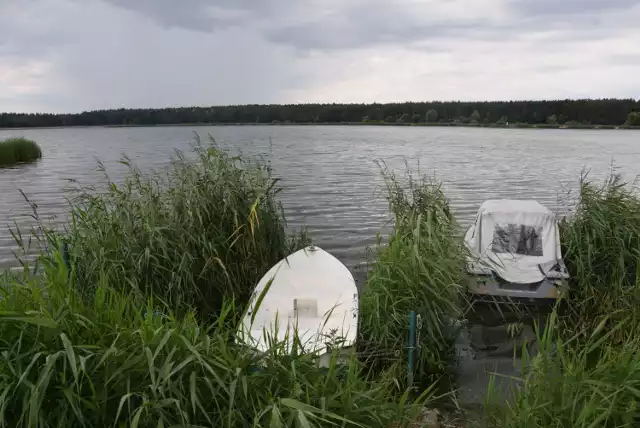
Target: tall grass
x,y
72,361
601,247
419,269
135,324
194,236
587,370
565,387
137,327
17,150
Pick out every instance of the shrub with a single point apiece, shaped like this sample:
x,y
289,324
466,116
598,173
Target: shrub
x,y
633,119
17,150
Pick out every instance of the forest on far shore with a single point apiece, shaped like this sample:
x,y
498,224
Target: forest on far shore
x,y
586,112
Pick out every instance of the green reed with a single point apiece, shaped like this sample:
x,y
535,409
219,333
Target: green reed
x,y
586,372
73,360
18,150
193,236
590,379
420,268
601,247
127,317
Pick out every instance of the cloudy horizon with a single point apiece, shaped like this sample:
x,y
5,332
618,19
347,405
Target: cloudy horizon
x,y
64,56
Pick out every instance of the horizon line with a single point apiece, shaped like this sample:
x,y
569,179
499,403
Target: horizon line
x,y
549,100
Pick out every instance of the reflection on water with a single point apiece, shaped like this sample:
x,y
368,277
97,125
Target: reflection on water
x,y
330,180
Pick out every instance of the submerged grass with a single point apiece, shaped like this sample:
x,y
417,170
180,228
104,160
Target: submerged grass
x,y
18,150
419,269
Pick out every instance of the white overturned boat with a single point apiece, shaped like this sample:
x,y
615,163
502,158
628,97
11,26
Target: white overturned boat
x,y
311,294
515,252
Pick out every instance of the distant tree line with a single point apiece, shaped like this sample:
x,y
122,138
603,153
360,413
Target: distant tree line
x,y
610,112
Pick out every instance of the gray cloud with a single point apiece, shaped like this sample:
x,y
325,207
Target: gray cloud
x,y
192,14
361,24
625,59
201,15
29,31
355,24
528,8
94,55
349,31
71,55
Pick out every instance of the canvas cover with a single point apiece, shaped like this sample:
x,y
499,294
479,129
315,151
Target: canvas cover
x,y
518,240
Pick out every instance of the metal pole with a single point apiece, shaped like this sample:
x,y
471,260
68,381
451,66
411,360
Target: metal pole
x,y
66,259
412,346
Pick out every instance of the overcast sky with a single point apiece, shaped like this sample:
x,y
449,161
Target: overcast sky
x,y
75,55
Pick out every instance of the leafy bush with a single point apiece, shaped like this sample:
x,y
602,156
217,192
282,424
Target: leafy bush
x,y
16,150
633,119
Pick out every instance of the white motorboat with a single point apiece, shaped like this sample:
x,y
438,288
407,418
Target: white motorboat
x,y
515,252
515,274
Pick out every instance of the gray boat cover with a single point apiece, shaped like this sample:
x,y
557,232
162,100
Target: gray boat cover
x,y
518,240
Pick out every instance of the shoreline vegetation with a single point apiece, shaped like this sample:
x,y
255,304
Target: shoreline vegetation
x,y
370,123
574,114
127,317
14,151
419,124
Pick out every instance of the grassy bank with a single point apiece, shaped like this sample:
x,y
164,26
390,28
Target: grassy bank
x,y
590,379
18,150
130,319
70,359
128,316
601,246
587,370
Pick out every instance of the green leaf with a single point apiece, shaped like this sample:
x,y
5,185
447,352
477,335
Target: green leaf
x,y
136,417
276,418
19,317
122,401
297,405
162,343
71,355
304,422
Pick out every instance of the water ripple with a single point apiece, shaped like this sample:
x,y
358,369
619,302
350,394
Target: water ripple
x,y
329,178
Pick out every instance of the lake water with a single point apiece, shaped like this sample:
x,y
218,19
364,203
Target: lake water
x,y
331,182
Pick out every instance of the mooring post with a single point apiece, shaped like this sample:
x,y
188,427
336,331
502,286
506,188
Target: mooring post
x,y
66,259
412,346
